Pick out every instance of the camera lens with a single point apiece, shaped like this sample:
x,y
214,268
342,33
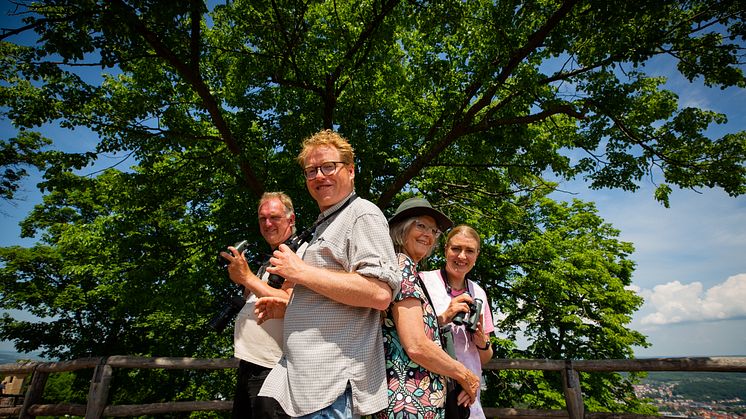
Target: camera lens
x,y
227,313
275,281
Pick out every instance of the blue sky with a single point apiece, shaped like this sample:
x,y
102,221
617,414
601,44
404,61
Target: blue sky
x,y
691,267
691,257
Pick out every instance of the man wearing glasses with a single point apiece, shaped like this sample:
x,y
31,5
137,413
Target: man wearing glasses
x,y
333,346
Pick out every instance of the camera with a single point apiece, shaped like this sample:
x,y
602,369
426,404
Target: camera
x,y
232,306
294,242
471,318
235,303
241,247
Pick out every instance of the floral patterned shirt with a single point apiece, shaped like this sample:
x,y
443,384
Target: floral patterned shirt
x,y
414,392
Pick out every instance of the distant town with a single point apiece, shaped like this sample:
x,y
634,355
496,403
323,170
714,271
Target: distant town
x,y
696,395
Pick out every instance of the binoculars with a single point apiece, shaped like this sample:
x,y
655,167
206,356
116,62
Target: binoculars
x,y
471,318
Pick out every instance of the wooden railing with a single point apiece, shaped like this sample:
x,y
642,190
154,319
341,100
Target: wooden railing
x,y
97,407
571,380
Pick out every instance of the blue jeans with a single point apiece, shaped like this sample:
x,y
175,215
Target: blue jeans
x,y
339,409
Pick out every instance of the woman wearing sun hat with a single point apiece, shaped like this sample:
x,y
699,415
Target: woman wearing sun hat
x,y
415,362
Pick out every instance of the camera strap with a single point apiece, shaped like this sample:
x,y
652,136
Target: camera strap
x,y
295,241
306,234
445,332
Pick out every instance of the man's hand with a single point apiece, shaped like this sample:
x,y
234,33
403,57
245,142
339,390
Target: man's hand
x,y
286,263
238,266
270,308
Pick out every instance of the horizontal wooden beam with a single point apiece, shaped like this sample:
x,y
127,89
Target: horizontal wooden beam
x,y
712,364
63,409
39,370
511,413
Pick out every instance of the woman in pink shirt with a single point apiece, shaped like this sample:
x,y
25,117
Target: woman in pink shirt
x,y
453,293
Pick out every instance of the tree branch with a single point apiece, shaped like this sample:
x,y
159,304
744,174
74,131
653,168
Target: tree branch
x,y
630,134
526,119
462,127
195,80
196,19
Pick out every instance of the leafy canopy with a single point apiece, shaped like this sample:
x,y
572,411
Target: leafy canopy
x,y
471,104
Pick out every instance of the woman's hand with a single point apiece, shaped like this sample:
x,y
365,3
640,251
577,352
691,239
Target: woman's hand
x,y
480,338
458,304
470,385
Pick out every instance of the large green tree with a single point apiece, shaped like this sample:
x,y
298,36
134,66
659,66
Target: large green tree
x,y
469,103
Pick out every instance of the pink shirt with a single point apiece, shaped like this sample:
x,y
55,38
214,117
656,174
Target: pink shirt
x,y
466,351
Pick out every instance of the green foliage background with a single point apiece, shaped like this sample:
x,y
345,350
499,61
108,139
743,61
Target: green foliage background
x,y
470,104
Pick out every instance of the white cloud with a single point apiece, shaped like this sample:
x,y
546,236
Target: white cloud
x,y
634,288
675,302
702,237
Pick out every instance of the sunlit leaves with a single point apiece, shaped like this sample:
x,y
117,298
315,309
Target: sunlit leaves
x,y
467,103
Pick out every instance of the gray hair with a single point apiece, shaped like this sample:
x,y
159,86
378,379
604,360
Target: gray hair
x,y
283,198
398,233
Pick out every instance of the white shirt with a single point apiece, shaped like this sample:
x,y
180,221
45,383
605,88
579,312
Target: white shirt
x,y
258,344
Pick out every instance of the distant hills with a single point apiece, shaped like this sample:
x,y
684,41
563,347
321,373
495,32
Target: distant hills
x,y
702,386
10,357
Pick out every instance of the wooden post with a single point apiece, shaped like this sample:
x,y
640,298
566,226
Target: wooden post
x,y
98,393
34,392
573,394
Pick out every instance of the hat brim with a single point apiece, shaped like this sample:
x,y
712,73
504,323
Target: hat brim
x,y
443,222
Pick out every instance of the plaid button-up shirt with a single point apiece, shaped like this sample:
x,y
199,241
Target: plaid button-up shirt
x,y
328,344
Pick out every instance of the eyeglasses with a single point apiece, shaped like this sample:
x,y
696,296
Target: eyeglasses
x,y
423,228
327,168
273,219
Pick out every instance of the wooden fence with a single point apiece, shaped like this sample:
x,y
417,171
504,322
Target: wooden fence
x,y
97,407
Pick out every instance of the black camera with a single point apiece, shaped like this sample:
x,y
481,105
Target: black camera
x,y
471,318
232,306
241,247
235,303
294,242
